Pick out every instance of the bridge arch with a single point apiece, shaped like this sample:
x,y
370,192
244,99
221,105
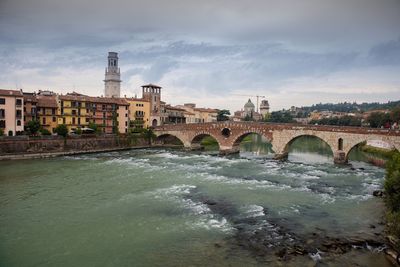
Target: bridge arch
x,y
239,137
331,146
168,137
197,138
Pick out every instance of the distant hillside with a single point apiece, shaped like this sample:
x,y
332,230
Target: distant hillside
x,y
351,107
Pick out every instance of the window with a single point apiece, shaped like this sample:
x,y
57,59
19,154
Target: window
x,y
73,112
87,120
63,120
2,101
2,113
44,121
54,119
53,111
73,120
2,124
126,123
18,102
18,122
79,121
126,114
19,114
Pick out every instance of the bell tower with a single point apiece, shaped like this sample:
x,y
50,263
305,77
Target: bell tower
x,y
152,93
112,81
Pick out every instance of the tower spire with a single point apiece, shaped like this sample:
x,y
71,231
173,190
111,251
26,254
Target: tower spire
x,y
112,81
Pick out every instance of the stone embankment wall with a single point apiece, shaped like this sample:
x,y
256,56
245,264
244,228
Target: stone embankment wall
x,y
56,144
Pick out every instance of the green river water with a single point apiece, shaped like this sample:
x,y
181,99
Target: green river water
x,y
164,207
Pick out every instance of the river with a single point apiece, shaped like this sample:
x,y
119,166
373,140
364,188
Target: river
x,y
168,207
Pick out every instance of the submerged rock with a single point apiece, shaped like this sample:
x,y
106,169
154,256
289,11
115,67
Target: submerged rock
x,y
378,193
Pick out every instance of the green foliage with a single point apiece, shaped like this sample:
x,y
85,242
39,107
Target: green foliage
x,y
342,121
395,114
136,124
94,127
44,131
148,135
392,199
351,107
223,115
61,130
248,118
392,183
280,116
1,132
380,152
33,127
78,131
378,119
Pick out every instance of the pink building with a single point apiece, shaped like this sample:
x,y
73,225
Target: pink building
x,y
11,112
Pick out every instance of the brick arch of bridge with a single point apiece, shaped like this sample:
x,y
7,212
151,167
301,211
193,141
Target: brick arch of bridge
x,y
237,136
283,139
195,138
177,134
162,137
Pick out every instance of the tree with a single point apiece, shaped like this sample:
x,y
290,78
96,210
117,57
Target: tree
x,y
33,127
78,131
378,119
280,116
94,127
44,131
248,118
61,130
392,199
148,135
395,114
223,115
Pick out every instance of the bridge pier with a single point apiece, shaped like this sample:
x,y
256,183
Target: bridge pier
x,y
281,156
229,150
195,146
339,157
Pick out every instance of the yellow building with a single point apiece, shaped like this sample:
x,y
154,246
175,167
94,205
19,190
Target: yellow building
x,y
139,111
74,110
47,111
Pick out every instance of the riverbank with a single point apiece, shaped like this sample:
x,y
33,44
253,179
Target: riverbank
x,y
392,201
25,147
64,153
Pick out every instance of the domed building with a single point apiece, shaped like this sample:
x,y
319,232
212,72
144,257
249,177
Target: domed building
x,y
249,109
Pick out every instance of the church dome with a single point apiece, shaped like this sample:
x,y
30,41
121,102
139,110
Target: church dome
x,y
249,104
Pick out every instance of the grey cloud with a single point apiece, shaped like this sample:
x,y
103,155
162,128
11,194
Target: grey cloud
x,y
387,53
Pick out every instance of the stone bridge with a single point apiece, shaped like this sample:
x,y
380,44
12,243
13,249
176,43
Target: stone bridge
x,y
229,135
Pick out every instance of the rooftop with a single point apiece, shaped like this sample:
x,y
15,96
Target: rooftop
x,y
151,85
5,92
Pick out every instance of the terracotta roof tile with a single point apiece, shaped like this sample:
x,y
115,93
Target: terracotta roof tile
x,y
5,92
46,101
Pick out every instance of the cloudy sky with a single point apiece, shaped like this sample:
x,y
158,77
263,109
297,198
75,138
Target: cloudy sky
x,y
210,52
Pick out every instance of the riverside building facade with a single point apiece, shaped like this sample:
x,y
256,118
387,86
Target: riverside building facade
x,y
11,112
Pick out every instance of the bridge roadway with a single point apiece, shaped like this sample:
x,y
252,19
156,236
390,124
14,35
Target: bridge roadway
x,y
229,135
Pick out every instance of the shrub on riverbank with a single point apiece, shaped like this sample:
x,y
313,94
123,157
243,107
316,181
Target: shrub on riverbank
x,y
392,200
380,152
